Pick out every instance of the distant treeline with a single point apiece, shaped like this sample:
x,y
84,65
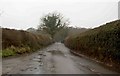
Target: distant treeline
x,y
19,41
102,43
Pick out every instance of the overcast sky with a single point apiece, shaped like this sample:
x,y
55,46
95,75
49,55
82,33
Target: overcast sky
x,y
22,14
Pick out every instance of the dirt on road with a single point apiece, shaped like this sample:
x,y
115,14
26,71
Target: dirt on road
x,y
55,59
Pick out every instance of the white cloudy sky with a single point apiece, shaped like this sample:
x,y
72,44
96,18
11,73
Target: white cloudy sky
x,y
22,14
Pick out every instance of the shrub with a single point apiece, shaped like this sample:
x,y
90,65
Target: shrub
x,y
102,42
19,41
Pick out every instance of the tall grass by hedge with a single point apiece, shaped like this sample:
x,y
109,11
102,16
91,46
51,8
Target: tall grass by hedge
x,y
102,43
19,41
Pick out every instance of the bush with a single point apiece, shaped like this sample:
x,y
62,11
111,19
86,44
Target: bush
x,y
102,43
20,41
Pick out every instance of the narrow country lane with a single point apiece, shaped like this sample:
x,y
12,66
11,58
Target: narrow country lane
x,y
55,59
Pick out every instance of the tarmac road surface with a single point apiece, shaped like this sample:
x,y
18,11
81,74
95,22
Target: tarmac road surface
x,y
54,59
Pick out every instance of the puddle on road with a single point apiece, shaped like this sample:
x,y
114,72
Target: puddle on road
x,y
55,52
52,69
89,68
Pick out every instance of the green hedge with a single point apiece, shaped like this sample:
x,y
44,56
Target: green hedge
x,y
102,43
19,41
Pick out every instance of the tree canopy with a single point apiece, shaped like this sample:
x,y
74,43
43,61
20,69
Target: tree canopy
x,y
53,22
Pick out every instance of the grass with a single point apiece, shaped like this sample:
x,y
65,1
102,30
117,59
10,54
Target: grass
x,y
11,51
7,52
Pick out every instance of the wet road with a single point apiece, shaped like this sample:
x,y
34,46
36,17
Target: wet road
x,y
55,59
